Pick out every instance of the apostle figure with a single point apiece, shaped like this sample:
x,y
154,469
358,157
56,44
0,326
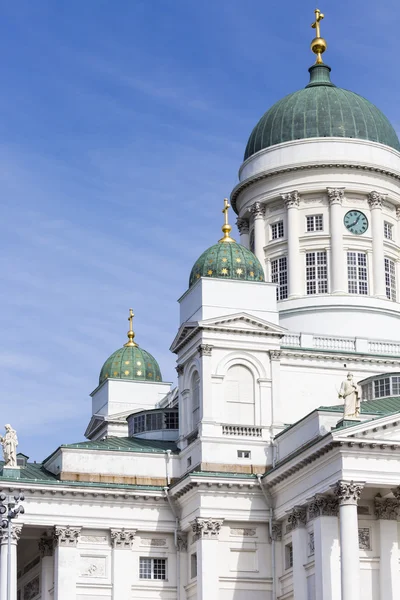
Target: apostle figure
x,y
350,394
9,442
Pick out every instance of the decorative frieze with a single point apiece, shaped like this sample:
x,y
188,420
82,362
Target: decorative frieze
x,y
92,566
181,541
153,542
323,506
66,536
387,508
242,225
292,199
204,349
276,532
122,538
93,539
311,543
46,546
257,210
375,200
243,531
348,492
206,528
335,195
364,538
298,517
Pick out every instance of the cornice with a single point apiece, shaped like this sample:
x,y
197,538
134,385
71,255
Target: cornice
x,y
338,356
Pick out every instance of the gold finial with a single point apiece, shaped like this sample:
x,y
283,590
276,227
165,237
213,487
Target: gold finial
x,y
131,333
318,45
226,228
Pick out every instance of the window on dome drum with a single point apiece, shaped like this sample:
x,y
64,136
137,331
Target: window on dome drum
x,y
316,272
388,230
288,556
382,387
279,275
153,568
193,565
277,230
314,223
140,424
171,420
251,241
195,400
390,279
357,273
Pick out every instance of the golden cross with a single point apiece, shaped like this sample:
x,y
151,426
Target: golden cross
x,y
318,17
130,319
225,210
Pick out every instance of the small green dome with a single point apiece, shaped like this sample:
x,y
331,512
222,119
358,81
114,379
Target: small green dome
x,y
321,110
227,260
133,363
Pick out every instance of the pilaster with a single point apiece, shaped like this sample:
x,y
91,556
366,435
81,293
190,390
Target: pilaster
x,y
297,521
337,267
121,541
243,227
258,211
276,410
205,533
387,512
15,534
295,268
206,405
182,558
375,201
46,549
66,562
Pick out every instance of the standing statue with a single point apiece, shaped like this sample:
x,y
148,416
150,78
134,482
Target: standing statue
x,y
351,396
9,442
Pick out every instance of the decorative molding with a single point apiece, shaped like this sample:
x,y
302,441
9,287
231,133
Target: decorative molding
x,y
206,528
348,492
276,531
122,538
323,506
387,508
93,566
181,541
257,210
32,589
243,531
335,195
243,225
66,536
154,542
298,517
396,492
205,349
275,354
93,539
15,534
364,538
375,200
46,546
311,543
292,199
179,369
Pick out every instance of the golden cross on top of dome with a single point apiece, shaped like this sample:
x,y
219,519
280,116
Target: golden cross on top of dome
x,y
131,334
318,45
226,228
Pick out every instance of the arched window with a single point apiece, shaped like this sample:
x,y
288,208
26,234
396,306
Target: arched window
x,y
195,399
239,396
252,242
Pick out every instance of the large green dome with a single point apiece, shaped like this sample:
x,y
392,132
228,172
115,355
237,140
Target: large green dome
x,y
321,110
227,260
131,362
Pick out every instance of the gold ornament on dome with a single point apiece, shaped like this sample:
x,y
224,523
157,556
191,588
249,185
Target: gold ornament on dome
x,y
318,45
131,334
226,228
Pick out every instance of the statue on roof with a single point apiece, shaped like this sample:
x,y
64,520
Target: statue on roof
x,y
351,395
9,442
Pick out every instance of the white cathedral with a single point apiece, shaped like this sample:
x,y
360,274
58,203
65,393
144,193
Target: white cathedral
x,y
256,478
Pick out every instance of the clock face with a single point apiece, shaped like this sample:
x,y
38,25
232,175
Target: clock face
x,y
356,222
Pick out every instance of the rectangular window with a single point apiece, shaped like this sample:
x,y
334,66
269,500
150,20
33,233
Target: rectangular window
x,y
171,420
193,565
382,388
153,568
314,223
277,230
279,275
139,424
390,279
357,273
244,454
316,273
154,421
388,230
288,556
396,386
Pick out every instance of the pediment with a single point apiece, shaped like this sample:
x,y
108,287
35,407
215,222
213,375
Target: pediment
x,y
95,422
243,322
380,430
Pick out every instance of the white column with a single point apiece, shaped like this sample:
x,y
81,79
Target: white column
x,y
386,510
206,404
182,564
15,535
206,533
378,254
276,549
297,520
348,494
276,410
66,562
258,211
338,264
243,227
323,510
296,270
47,567
121,540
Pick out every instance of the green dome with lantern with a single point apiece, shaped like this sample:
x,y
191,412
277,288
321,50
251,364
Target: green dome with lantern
x,y
227,260
131,362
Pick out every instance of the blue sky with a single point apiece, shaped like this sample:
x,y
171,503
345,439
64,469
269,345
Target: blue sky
x,y
122,127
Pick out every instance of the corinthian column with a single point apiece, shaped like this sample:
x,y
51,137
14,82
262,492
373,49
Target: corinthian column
x,y
122,540
348,495
338,265
66,561
378,256
258,211
243,226
297,521
296,272
206,533
15,535
387,511
46,545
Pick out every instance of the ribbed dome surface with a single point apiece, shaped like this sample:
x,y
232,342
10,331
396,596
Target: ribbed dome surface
x,y
227,261
321,110
131,362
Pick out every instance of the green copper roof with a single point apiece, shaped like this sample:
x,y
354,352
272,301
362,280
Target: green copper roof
x,y
133,363
227,260
125,444
321,110
378,406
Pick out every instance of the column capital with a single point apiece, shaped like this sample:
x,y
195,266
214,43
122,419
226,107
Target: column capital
x,y
122,538
387,508
205,349
66,536
275,354
46,546
257,210
181,541
206,528
375,199
398,212
15,534
179,369
298,517
335,195
243,225
292,199
348,492
276,531
323,506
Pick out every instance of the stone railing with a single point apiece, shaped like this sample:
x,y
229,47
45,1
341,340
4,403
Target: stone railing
x,y
242,430
334,343
384,347
291,339
344,344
